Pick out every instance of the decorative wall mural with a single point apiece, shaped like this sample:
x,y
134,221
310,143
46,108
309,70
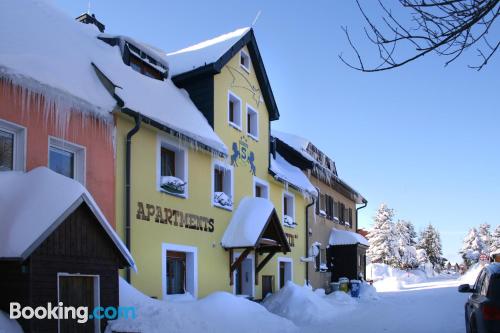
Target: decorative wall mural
x,y
241,153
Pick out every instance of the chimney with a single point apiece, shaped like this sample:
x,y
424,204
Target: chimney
x,y
91,19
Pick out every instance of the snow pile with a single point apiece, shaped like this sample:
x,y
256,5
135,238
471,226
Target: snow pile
x,y
217,313
471,275
8,325
391,279
203,53
288,173
368,292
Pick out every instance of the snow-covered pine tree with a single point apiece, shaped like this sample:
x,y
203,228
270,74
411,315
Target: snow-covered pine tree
x,y
485,234
406,239
430,241
383,239
472,247
495,240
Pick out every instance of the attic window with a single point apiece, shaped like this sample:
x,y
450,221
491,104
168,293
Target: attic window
x,y
245,61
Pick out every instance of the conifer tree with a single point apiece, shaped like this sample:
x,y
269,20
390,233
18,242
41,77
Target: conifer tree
x,y
383,239
430,241
472,247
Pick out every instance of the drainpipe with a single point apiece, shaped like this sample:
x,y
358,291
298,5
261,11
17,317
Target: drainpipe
x,y
128,156
357,212
307,237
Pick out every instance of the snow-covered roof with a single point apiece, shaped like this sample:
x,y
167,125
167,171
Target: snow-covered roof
x,y
296,142
34,204
48,52
203,53
344,237
247,223
286,172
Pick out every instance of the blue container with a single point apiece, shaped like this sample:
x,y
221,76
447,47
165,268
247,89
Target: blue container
x,y
355,288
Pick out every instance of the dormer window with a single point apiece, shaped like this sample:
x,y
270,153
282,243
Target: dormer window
x,y
245,61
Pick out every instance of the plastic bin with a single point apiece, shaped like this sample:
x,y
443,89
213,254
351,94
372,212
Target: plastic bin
x,y
335,286
355,288
344,284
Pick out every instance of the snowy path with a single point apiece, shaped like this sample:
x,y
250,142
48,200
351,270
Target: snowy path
x,y
419,308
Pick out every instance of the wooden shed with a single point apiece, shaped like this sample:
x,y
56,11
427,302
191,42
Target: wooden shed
x,y
346,255
56,246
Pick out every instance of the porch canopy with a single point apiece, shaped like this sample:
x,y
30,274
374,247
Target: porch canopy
x,y
255,226
344,237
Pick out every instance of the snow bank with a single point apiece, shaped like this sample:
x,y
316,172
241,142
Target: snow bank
x,y
304,306
392,279
471,275
8,325
219,312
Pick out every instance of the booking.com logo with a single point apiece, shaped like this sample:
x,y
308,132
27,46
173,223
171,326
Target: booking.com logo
x,y
80,314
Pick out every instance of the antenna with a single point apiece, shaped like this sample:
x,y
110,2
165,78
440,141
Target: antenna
x,y
256,18
88,8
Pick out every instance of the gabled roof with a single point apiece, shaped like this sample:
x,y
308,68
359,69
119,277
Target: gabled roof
x,y
255,224
34,204
209,57
344,237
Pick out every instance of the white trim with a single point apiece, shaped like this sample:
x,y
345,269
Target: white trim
x,y
290,195
286,260
247,69
177,147
79,153
233,95
254,110
252,258
20,136
261,182
97,296
229,168
191,267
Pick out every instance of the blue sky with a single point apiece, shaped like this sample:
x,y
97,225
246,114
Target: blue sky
x,y
422,138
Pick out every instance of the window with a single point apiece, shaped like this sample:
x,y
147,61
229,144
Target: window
x,y
12,146
289,210
172,168
222,186
176,272
252,122
321,265
261,188
285,271
67,159
245,61
234,110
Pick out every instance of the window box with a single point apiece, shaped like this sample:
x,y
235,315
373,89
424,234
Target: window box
x,y
288,221
289,210
222,199
222,186
322,213
172,168
173,185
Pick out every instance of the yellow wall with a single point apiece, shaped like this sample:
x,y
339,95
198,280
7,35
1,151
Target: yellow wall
x,y
148,236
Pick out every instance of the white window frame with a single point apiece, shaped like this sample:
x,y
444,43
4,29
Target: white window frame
x,y
261,182
79,153
227,167
284,196
232,95
247,57
236,255
287,260
163,141
97,296
19,149
251,109
191,267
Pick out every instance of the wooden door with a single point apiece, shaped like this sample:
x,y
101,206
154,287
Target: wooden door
x,y
77,291
267,285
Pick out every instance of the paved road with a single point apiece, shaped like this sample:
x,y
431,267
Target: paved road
x,y
431,307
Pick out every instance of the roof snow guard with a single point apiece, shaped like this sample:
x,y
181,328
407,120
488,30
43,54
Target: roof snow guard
x,y
52,198
254,226
344,237
212,55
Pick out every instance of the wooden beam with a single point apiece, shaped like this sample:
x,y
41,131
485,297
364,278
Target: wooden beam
x,y
265,261
256,265
234,265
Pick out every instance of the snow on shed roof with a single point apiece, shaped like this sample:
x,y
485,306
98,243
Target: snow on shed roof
x,y
247,222
33,204
298,143
344,237
49,53
286,172
203,53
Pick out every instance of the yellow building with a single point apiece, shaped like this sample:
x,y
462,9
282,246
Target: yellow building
x,y
188,179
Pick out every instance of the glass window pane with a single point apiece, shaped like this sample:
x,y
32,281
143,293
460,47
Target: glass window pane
x,y
167,162
6,151
62,162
